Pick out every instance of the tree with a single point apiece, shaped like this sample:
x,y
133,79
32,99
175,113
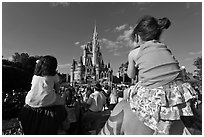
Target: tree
x,y
198,64
18,72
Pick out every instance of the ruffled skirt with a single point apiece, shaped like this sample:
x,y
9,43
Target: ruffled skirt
x,y
158,107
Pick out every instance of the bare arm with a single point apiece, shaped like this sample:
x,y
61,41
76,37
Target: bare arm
x,y
132,71
57,84
57,87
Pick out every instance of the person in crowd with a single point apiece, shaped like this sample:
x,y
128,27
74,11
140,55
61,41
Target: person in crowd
x,y
89,91
97,99
158,101
44,110
113,98
106,91
95,105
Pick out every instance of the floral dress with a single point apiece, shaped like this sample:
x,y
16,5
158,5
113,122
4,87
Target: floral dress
x,y
159,107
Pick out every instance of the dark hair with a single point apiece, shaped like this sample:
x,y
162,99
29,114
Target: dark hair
x,y
150,28
98,86
46,66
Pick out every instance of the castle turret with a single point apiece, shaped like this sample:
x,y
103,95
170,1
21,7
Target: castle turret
x,y
94,44
97,71
80,61
72,69
108,65
80,65
84,54
102,64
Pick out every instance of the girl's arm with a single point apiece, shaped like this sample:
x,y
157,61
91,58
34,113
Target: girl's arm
x,y
57,84
57,87
132,71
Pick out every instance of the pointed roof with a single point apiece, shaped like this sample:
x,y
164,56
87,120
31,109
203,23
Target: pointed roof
x,y
108,64
95,34
73,62
80,61
102,63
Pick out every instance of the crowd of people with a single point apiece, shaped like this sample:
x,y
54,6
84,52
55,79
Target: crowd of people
x,y
153,105
50,105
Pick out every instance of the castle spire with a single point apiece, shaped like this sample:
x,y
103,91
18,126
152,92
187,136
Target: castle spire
x,y
95,32
94,43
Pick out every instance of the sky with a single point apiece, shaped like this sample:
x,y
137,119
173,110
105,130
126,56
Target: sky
x,y
61,29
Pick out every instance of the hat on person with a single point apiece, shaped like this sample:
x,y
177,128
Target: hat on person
x,y
98,86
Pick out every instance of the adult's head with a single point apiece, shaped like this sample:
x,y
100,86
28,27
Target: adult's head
x,y
98,87
150,28
46,66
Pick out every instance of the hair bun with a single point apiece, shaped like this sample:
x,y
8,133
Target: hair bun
x,y
164,23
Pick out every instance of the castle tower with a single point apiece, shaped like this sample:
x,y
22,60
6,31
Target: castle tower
x,y
84,54
94,44
102,64
90,67
97,71
80,69
108,65
72,69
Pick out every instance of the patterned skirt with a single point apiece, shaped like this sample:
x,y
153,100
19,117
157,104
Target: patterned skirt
x,y
158,107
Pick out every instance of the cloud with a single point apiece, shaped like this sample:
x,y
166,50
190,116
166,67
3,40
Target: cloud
x,y
64,4
120,28
11,58
126,35
77,43
123,40
195,53
110,44
83,46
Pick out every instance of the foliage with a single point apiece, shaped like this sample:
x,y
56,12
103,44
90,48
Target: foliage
x,y
25,61
15,78
123,72
198,64
124,66
16,81
12,103
18,72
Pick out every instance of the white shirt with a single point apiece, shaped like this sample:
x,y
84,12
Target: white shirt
x,y
96,100
42,91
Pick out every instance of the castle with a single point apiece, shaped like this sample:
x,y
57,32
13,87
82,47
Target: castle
x,y
90,67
